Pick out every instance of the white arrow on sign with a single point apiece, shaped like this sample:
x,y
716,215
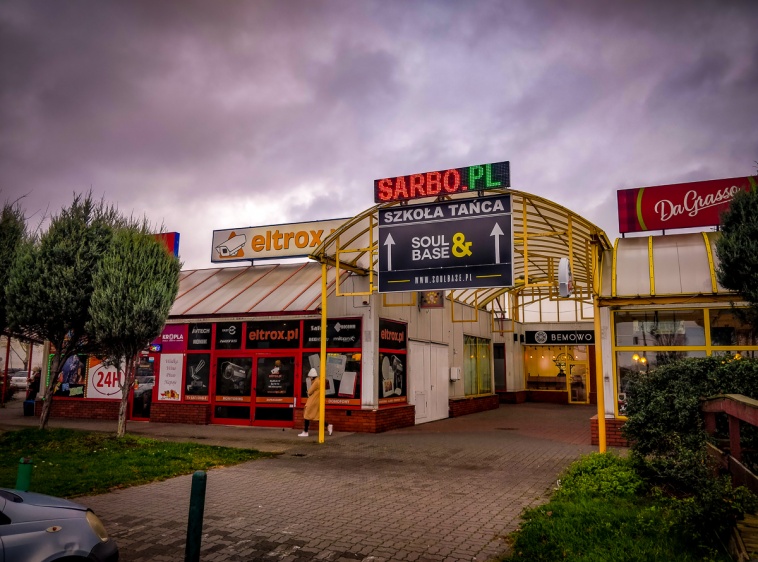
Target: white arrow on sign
x,y
389,242
497,233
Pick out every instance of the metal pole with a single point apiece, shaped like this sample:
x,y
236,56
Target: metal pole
x,y
322,365
601,440
195,523
24,476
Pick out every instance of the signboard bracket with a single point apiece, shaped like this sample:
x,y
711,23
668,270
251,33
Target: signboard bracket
x,y
390,305
371,249
452,309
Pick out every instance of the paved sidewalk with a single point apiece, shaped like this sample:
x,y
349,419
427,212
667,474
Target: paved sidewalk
x,y
443,491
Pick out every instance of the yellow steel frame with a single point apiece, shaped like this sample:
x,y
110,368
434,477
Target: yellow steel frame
x,y
451,297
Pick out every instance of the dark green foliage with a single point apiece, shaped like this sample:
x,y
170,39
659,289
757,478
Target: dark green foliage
x,y
602,476
737,249
599,513
12,235
668,439
134,287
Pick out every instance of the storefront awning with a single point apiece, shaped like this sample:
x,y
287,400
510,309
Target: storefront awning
x,y
259,289
672,265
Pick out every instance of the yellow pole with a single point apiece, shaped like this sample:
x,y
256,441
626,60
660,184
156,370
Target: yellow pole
x,y
322,365
601,439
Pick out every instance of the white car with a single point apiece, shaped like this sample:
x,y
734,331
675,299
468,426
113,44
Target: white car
x,y
19,381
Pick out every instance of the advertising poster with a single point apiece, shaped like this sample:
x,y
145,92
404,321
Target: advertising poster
x,y
103,380
393,373
343,371
71,380
170,379
233,379
197,376
173,338
275,379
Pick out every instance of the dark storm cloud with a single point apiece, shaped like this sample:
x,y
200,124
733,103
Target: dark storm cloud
x,y
223,114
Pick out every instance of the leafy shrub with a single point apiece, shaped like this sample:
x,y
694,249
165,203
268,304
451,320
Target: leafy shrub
x,y
668,439
599,475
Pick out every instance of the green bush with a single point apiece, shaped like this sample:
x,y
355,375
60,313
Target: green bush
x,y
666,430
601,476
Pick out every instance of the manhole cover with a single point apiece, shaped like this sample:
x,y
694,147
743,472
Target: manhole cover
x,y
298,454
507,428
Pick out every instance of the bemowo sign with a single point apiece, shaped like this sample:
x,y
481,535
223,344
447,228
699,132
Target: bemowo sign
x,y
267,242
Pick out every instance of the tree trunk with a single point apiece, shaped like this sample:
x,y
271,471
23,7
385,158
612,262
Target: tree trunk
x,y
48,397
125,390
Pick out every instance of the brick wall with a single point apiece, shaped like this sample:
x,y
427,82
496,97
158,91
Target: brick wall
x,y
613,437
171,412
465,406
517,397
365,421
81,409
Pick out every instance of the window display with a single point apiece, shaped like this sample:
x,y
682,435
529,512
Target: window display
x,y
393,357
233,378
477,373
197,376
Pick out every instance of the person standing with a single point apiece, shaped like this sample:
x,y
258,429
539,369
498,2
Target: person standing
x,y
311,407
34,382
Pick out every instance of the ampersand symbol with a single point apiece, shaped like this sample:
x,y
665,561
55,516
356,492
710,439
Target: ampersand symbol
x,y
461,248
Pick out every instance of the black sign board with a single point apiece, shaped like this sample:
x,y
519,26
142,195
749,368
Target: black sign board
x,y
228,335
200,336
340,333
392,335
560,337
463,244
275,334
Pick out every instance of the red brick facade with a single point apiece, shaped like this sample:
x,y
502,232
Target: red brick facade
x,y
366,421
613,437
465,406
81,409
167,412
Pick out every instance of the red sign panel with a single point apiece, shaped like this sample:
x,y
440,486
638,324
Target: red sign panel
x,y
680,205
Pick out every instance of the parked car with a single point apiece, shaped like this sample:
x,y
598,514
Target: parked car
x,y
19,379
39,528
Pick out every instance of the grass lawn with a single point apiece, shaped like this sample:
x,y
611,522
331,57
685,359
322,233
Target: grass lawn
x,y
69,463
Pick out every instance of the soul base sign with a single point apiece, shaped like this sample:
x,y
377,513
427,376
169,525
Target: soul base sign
x,y
449,245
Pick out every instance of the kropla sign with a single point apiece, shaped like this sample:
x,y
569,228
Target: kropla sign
x,y
268,242
681,205
443,182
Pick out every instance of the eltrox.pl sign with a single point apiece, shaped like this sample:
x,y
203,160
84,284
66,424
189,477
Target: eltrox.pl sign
x,y
460,244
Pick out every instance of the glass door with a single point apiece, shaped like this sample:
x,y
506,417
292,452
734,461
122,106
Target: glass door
x,y
232,389
275,382
141,398
578,384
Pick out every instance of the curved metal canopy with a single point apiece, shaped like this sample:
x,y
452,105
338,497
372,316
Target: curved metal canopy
x,y
543,232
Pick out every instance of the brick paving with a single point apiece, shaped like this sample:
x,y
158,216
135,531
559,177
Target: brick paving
x,y
443,491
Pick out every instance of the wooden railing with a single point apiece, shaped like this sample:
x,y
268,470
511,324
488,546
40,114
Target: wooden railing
x,y
739,409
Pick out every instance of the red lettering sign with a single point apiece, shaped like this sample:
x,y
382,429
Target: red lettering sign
x,y
681,205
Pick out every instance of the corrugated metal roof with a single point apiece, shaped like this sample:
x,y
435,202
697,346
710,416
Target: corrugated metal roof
x,y
291,287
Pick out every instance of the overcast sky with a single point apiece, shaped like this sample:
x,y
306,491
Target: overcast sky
x,y
219,114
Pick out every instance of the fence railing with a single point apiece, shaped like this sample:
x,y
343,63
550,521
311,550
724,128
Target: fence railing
x,y
738,409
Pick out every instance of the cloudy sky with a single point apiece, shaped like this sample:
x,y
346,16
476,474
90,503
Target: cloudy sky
x,y
219,114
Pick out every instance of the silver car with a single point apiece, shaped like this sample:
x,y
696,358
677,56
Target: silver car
x,y
39,528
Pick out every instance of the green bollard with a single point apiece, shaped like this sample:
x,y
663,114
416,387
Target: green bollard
x,y
24,476
195,523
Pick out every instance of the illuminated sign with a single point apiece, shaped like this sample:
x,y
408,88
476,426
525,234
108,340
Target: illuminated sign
x,y
681,205
443,182
170,240
464,244
267,242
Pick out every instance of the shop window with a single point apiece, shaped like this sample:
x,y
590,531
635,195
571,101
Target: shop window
x,y
660,328
477,374
728,329
547,366
630,364
197,370
343,375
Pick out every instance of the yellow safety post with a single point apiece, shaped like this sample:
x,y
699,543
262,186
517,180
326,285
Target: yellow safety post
x,y
322,365
601,440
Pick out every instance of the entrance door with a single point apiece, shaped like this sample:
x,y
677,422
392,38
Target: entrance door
x,y
578,383
428,381
254,389
141,398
